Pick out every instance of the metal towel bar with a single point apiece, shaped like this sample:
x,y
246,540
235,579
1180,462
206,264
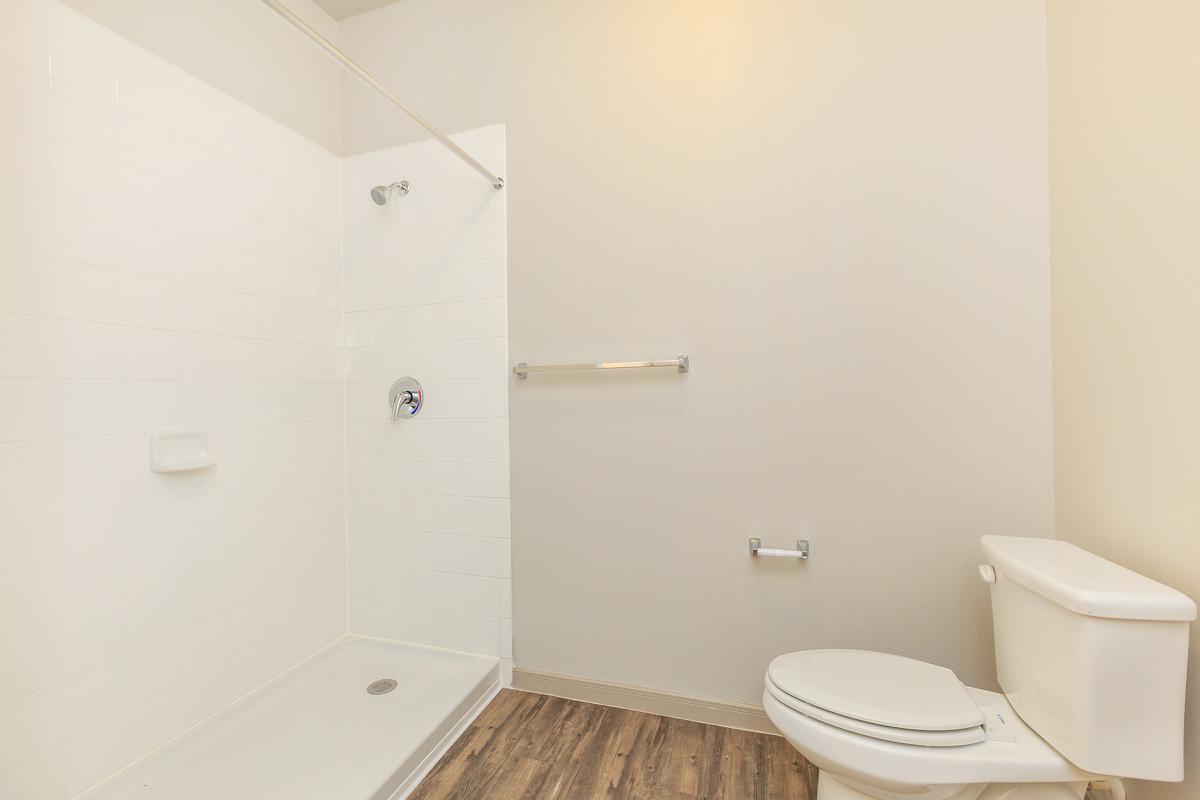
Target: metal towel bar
x,y
523,370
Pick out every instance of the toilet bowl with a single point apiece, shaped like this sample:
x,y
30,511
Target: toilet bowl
x,y
882,726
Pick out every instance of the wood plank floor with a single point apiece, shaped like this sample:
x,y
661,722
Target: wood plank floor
x,y
536,747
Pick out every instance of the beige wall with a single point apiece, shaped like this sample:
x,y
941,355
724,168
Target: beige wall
x,y
838,209
242,48
1125,255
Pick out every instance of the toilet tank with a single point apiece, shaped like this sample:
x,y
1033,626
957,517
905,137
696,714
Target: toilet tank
x,y
1091,655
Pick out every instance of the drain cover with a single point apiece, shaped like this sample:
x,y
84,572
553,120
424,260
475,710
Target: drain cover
x,y
381,686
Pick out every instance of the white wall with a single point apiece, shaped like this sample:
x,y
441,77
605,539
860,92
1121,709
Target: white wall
x,y
242,48
168,257
839,210
1125,197
428,496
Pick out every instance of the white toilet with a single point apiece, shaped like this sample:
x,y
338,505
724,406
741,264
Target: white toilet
x,y
1091,656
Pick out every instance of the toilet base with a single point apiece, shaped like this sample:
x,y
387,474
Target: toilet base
x,y
834,787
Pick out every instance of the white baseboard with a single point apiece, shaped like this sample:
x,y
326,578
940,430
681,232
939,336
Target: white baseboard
x,y
652,701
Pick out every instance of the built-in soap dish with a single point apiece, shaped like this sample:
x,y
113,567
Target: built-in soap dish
x,y
179,451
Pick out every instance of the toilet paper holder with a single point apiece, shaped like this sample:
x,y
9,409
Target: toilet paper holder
x,y
801,551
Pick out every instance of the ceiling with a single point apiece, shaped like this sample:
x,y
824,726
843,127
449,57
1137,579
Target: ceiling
x,y
340,9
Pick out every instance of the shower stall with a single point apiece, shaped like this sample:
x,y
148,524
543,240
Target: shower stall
x,y
229,566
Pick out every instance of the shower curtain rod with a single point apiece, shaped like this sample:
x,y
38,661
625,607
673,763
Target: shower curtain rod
x,y
366,77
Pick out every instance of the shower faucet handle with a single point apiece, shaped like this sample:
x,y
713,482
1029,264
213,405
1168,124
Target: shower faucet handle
x,y
405,398
402,399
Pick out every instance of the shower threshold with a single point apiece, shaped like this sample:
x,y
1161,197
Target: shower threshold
x,y
316,733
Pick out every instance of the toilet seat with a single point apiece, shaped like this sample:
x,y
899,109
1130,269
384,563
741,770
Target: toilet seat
x,y
880,695
881,732
1020,757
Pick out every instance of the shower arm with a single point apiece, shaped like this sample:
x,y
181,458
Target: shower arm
x,y
366,77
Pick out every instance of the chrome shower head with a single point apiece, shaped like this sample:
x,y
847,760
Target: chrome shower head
x,y
380,194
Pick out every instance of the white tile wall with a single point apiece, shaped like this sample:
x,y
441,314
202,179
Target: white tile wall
x,y
167,258
428,497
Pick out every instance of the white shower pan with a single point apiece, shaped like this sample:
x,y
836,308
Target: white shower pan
x,y
316,733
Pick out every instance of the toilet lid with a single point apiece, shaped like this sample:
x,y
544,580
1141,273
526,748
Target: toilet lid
x,y
878,688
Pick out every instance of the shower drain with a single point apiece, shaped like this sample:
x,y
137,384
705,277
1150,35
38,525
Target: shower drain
x,y
381,686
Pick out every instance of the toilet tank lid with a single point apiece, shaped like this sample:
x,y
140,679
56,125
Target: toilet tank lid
x,y
1084,582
